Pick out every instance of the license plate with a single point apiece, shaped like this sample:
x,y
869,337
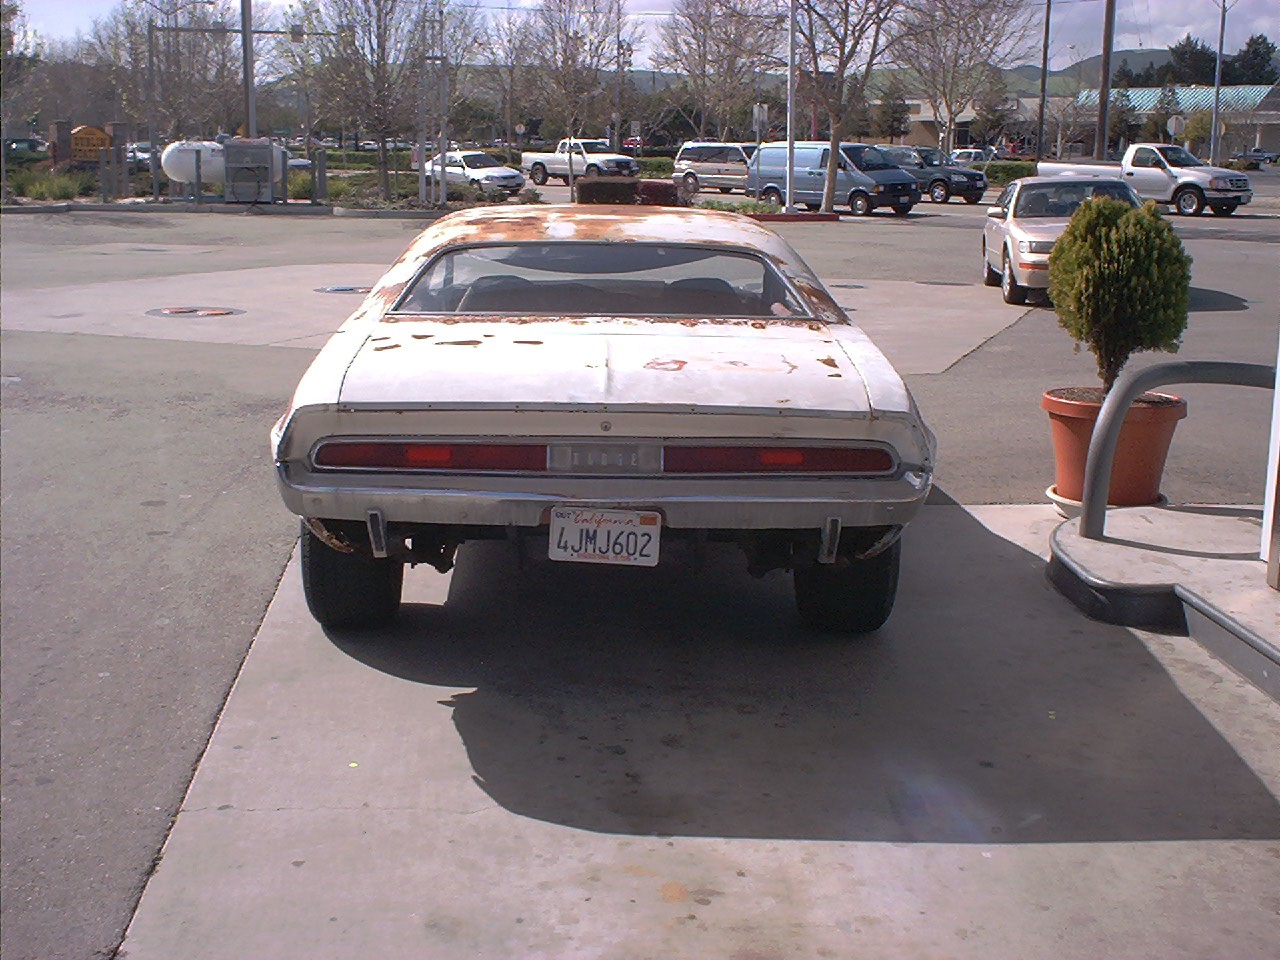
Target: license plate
x,y
627,537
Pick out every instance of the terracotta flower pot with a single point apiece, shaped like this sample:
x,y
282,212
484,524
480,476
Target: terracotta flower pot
x,y
1140,454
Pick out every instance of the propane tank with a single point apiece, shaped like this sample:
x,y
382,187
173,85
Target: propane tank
x,y
179,161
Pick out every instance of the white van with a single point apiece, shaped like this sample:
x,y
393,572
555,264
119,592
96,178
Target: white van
x,y
705,163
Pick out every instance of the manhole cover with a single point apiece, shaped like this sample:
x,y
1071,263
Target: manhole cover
x,y
194,312
360,290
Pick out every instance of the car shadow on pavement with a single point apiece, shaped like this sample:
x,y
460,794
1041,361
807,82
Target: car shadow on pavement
x,y
1201,300
688,700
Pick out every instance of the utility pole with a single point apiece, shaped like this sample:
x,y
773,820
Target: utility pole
x,y
1044,81
1217,84
246,44
788,206
1104,88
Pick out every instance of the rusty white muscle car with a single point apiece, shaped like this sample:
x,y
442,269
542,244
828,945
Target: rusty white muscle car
x,y
602,381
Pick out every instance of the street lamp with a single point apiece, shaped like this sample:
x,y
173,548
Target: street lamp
x,y
1217,80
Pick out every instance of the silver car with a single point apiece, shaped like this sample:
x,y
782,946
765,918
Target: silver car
x,y
1029,216
474,168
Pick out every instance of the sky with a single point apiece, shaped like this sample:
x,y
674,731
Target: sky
x,y
1076,31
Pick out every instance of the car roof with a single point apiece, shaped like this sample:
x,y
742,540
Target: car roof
x,y
1066,178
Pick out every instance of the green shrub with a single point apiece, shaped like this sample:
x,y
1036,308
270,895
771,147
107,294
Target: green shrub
x,y
1120,281
20,182
744,206
656,166
299,186
1001,172
530,195
599,190
61,186
1242,164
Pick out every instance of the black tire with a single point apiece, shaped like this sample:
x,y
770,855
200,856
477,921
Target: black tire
x,y
725,189
903,210
349,590
772,195
538,174
1224,210
848,596
690,181
1013,291
591,173
859,204
990,277
812,206
971,200
1189,202
939,192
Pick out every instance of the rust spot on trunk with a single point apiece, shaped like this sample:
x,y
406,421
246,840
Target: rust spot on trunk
x,y
388,346
830,362
458,343
671,365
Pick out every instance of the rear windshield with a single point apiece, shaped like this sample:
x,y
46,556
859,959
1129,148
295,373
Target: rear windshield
x,y
1061,199
600,279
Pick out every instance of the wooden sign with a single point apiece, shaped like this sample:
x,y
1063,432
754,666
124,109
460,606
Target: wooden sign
x,y
87,142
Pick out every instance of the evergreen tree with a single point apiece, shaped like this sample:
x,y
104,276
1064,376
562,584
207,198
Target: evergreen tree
x,y
1193,61
891,117
1254,63
1123,75
1155,128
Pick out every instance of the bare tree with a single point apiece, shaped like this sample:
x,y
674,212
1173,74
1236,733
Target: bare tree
x,y
841,41
951,46
374,62
576,42
719,48
507,46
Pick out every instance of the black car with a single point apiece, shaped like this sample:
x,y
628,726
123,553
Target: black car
x,y
939,177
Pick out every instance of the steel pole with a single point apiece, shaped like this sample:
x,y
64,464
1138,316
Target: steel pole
x,y
789,207
1217,85
246,43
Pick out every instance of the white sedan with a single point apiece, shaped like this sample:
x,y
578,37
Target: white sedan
x,y
1027,219
476,169
598,384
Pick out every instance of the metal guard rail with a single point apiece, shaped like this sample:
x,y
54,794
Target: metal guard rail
x,y
1130,386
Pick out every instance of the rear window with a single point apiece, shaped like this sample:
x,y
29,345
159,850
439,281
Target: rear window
x,y
600,279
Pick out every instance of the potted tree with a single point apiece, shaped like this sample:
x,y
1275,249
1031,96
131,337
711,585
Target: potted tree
x,y
1119,280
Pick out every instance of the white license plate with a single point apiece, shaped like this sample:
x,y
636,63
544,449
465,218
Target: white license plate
x,y
583,535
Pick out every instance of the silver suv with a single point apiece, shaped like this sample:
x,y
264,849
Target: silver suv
x,y
712,164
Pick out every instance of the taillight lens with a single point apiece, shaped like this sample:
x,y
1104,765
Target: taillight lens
x,y
374,455
848,460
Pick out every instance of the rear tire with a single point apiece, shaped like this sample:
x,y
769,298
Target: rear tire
x,y
725,189
349,590
772,195
538,174
1224,210
1013,291
850,595
690,183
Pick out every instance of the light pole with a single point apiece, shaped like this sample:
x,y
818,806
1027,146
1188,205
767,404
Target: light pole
x,y
791,104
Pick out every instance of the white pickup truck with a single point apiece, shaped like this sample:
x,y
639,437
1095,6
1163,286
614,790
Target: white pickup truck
x,y
1166,173
589,158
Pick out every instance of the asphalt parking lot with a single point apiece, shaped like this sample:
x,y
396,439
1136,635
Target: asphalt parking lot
x,y
557,765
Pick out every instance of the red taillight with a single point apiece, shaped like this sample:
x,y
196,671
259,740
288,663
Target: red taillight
x,y
856,460
433,456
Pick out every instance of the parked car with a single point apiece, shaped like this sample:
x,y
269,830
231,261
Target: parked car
x,y
634,143
939,178
476,169
1258,154
1027,219
296,163
865,181
705,163
27,144
968,156
600,385
1166,173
